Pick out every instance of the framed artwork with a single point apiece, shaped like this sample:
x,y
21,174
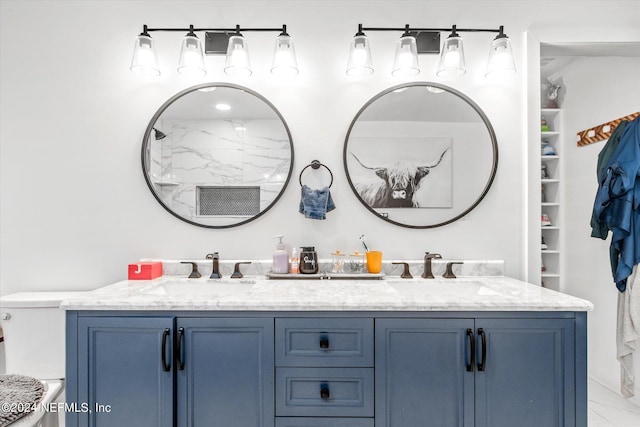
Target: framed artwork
x,y
407,173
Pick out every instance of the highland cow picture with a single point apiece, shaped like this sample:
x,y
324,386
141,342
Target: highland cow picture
x,y
404,173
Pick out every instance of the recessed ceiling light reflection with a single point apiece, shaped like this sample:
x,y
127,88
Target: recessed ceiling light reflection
x,y
223,107
207,89
240,128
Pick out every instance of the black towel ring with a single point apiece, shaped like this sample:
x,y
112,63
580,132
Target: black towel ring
x,y
315,165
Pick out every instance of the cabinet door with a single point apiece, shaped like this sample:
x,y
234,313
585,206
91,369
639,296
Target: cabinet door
x,y
529,376
121,378
228,374
421,372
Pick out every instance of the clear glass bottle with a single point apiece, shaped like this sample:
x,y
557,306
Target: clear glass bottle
x,y
356,262
337,262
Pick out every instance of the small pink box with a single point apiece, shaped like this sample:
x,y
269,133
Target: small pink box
x,y
145,270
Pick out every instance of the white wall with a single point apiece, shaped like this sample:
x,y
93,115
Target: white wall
x,y
590,102
74,207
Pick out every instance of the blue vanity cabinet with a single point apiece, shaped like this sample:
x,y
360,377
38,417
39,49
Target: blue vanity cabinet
x,y
326,369
170,371
529,378
225,372
522,372
324,372
119,365
421,376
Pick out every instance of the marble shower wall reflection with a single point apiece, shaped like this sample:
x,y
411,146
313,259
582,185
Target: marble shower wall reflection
x,y
196,153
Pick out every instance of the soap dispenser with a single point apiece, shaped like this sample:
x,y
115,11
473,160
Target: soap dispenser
x,y
280,257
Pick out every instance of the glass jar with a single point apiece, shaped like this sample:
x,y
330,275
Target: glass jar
x,y
356,262
337,262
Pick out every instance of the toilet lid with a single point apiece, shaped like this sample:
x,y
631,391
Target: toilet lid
x,y
22,393
37,299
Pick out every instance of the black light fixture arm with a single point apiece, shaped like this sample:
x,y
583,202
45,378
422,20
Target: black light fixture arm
x,y
237,29
406,28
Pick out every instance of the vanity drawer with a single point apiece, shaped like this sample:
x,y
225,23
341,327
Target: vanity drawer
x,y
323,422
324,342
324,392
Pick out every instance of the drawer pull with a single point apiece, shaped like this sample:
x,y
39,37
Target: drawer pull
x,y
179,350
472,345
166,367
324,342
483,365
324,392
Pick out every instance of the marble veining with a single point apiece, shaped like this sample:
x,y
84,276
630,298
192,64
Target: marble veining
x,y
198,153
392,294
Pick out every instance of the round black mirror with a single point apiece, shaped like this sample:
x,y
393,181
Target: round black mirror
x,y
420,155
217,155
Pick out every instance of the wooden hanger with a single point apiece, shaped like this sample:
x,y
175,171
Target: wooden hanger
x,y
603,131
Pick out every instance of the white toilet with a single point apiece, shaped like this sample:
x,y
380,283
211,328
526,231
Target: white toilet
x,y
34,337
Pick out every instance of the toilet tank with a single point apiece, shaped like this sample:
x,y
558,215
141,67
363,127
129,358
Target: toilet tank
x,y
34,333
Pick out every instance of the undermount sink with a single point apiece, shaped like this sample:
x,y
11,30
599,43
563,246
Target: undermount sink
x,y
450,287
213,288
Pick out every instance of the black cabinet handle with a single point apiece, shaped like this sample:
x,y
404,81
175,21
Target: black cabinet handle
x,y
179,350
483,364
472,348
163,350
324,342
324,392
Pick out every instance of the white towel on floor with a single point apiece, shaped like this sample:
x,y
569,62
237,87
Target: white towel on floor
x,y
628,331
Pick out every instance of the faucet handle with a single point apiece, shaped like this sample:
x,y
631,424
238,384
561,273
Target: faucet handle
x,y
406,273
214,255
236,270
428,255
448,274
194,269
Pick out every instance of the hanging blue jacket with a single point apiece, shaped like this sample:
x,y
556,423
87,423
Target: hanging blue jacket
x,y
617,204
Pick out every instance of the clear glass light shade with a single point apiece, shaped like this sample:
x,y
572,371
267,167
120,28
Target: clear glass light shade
x,y
359,63
500,58
405,62
145,58
284,57
237,61
191,57
452,58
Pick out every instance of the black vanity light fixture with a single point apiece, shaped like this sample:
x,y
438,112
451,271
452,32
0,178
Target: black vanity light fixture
x,y
427,40
217,41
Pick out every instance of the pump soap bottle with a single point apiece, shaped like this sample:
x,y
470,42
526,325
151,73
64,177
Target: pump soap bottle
x,y
280,257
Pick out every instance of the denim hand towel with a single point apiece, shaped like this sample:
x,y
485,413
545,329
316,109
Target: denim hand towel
x,y
315,204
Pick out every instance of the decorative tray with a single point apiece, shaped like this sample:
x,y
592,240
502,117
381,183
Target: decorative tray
x,y
326,276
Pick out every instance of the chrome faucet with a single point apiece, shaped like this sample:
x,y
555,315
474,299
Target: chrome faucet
x,y
427,273
215,272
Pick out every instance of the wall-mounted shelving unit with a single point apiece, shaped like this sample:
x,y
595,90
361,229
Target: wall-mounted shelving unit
x,y
551,200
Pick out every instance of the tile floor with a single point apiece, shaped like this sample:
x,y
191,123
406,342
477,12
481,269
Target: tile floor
x,y
609,409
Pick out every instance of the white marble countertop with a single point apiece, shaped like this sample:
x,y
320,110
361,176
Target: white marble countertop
x,y
170,293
